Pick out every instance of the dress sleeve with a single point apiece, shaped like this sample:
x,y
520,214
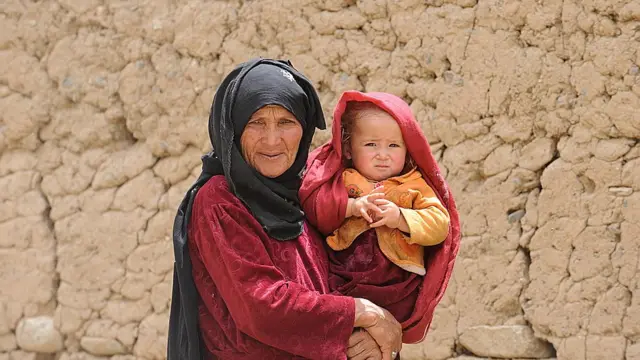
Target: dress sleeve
x,y
263,303
326,206
428,220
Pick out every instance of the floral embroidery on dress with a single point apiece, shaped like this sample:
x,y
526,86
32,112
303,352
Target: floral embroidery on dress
x,y
353,190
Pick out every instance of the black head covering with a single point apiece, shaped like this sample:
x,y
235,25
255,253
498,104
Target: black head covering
x,y
273,202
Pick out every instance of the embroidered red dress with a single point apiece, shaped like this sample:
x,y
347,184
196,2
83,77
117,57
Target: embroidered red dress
x,y
262,298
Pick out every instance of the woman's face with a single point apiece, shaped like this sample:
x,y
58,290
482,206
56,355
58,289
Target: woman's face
x,y
270,140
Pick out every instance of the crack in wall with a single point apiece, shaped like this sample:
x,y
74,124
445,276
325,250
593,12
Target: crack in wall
x,y
473,27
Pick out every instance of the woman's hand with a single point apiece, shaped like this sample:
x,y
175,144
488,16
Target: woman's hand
x,y
363,347
381,325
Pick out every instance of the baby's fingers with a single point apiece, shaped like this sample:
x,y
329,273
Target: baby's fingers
x,y
375,196
375,209
381,202
365,215
378,223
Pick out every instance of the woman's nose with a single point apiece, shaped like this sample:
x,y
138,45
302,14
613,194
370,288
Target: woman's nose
x,y
272,136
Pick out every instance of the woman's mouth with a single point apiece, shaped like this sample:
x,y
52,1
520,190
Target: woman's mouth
x,y
271,156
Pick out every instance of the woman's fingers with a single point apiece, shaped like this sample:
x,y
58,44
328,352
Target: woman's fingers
x,y
363,347
356,344
396,328
386,331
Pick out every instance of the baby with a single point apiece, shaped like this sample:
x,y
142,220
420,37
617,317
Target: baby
x,y
376,191
386,192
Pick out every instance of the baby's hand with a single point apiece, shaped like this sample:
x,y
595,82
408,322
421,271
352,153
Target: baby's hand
x,y
389,215
365,206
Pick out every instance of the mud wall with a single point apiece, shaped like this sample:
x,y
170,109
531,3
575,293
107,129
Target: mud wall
x,y
531,108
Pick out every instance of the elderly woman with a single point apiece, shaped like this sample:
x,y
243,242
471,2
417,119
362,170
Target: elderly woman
x,y
251,276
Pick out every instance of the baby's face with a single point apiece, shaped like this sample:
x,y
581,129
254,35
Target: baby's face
x,y
377,148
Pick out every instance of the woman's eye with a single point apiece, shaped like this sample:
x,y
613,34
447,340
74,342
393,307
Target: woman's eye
x,y
256,122
286,122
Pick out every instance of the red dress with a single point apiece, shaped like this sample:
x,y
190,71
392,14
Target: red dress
x,y
363,271
262,298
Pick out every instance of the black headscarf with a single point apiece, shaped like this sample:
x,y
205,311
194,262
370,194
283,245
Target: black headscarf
x,y
273,202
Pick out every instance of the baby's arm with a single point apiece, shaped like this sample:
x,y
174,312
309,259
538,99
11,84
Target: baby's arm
x,y
428,220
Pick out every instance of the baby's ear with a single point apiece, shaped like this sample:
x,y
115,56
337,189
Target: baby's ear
x,y
347,151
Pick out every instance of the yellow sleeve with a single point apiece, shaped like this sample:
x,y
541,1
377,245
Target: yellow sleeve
x,y
428,219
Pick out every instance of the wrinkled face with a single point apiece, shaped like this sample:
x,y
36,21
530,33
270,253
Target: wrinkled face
x,y
377,148
270,140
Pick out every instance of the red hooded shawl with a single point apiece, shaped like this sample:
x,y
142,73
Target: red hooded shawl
x,y
324,200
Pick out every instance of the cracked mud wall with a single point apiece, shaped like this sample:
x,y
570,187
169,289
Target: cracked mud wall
x,y
531,107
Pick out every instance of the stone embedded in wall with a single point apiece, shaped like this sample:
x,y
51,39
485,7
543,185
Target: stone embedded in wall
x,y
505,342
69,320
501,159
122,166
152,337
612,149
621,190
102,346
38,334
537,153
440,342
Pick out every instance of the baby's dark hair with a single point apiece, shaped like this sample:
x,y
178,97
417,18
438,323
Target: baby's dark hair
x,y
353,111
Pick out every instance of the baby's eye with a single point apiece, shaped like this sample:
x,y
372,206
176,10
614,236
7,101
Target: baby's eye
x,y
370,144
394,145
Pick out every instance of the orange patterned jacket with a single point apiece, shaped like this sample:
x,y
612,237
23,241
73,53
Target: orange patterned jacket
x,y
427,218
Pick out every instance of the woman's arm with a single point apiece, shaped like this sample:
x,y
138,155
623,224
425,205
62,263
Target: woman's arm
x,y
266,305
263,303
